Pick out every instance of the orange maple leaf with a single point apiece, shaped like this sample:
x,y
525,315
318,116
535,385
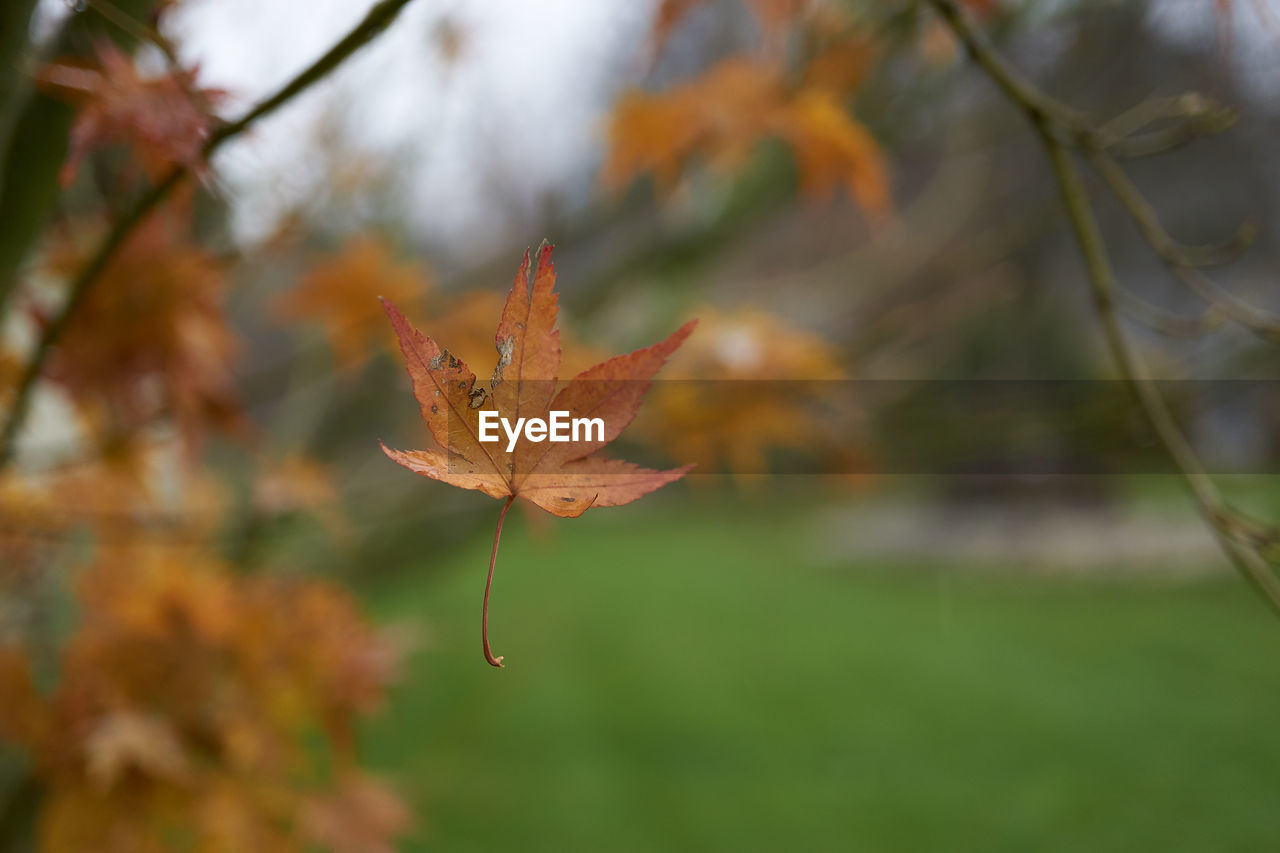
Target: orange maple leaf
x,y
563,477
165,119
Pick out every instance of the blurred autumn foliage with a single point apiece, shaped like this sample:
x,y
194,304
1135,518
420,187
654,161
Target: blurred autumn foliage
x,y
152,339
163,119
197,699
172,676
185,708
340,293
720,117
190,702
746,384
197,704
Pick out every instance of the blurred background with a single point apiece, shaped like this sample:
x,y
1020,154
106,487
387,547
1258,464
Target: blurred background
x,y
934,584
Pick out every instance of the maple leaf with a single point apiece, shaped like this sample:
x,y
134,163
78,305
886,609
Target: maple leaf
x,y
469,319
164,119
565,478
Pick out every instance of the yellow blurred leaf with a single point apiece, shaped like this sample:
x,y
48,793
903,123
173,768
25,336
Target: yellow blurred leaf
x,y
125,740
340,293
746,384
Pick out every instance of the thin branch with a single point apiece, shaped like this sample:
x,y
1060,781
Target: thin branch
x,y
1048,117
19,806
1181,260
1193,114
1041,108
136,29
1166,323
1164,141
1103,285
1189,106
1169,250
1199,115
378,19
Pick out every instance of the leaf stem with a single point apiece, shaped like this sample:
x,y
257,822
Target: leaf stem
x,y
488,584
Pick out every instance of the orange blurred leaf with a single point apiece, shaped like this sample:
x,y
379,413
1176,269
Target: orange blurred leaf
x,y
748,383
188,706
165,120
152,337
721,116
340,293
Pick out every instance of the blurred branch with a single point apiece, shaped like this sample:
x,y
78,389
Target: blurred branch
x,y
378,19
1194,114
1169,250
1182,261
15,25
136,29
1055,123
1170,325
37,136
1103,284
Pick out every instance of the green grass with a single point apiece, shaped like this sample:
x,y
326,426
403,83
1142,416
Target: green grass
x,y
683,679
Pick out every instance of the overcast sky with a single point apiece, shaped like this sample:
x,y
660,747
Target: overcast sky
x,y
483,138
516,111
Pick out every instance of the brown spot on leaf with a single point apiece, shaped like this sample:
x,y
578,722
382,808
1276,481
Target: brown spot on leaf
x,y
443,359
506,347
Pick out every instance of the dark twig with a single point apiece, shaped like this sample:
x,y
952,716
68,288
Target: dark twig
x,y
1058,126
19,806
1103,285
1182,261
1193,116
1167,323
